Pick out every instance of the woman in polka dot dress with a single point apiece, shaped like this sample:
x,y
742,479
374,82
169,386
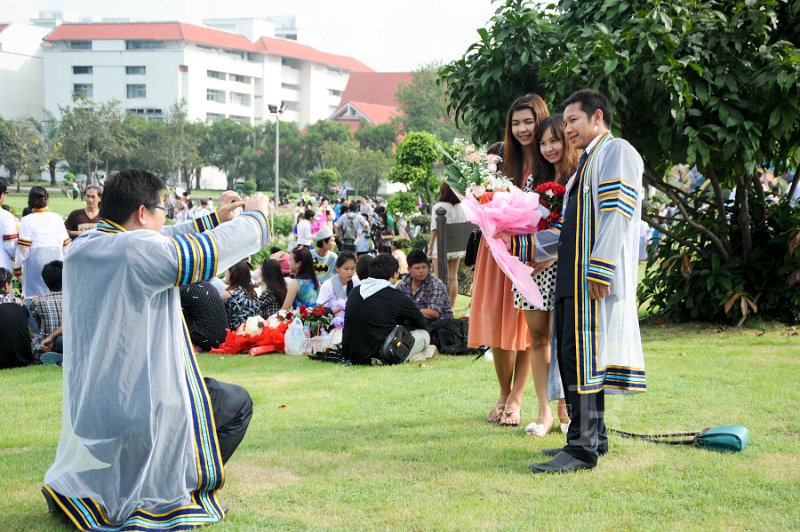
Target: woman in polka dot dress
x,y
552,158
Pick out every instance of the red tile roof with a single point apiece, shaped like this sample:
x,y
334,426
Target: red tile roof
x,y
377,114
294,49
374,87
151,31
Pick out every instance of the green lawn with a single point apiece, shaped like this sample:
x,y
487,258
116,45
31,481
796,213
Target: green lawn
x,y
406,447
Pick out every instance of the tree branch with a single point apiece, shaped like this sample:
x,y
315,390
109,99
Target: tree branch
x,y
761,197
701,228
662,229
711,173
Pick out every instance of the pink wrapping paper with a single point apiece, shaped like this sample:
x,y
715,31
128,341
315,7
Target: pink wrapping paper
x,y
515,213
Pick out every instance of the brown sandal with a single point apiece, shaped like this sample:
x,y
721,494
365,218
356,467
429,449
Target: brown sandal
x,y
496,413
510,418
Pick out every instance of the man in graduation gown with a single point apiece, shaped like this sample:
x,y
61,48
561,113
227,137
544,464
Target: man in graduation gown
x,y
598,346
144,436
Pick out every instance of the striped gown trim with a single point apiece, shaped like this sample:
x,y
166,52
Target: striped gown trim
x,y
9,237
204,223
591,377
263,224
197,257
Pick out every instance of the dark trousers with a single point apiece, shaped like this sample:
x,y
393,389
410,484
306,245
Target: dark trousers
x,y
586,437
233,409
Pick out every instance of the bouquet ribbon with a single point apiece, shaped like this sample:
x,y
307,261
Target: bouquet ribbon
x,y
515,213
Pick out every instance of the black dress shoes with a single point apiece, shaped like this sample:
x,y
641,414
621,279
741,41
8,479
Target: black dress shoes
x,y
561,463
555,450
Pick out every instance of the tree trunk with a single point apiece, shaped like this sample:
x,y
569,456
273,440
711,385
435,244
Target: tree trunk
x,y
793,187
13,173
51,166
744,213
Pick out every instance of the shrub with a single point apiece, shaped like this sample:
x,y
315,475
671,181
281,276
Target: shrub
x,y
283,225
403,202
247,188
688,278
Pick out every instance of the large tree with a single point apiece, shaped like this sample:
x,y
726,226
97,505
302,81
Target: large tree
x,y
423,105
20,149
706,82
294,164
415,157
228,141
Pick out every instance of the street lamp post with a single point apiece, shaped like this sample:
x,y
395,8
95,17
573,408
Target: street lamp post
x,y
277,112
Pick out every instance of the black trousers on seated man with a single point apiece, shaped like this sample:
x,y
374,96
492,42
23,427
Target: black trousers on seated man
x,y
233,408
587,437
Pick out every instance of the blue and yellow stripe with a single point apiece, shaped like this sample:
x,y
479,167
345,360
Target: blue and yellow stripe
x,y
204,223
197,257
600,270
615,195
107,226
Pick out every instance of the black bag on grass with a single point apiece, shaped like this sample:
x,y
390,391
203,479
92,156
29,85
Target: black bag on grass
x,y
449,335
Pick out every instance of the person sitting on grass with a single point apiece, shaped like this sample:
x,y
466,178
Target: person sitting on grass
x,y
374,309
274,291
428,293
15,336
323,255
333,292
240,298
303,289
205,314
46,310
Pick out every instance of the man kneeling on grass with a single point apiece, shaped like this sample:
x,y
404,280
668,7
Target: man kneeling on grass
x,y
374,309
144,437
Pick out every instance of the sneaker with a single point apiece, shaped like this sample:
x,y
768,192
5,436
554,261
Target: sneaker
x,y
52,359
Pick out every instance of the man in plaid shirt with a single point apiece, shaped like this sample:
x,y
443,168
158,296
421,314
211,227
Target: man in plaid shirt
x,y
427,292
46,310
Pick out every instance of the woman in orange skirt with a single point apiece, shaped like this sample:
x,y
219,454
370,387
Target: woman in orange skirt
x,y
494,321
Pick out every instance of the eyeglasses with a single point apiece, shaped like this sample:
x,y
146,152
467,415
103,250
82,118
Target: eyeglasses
x,y
160,208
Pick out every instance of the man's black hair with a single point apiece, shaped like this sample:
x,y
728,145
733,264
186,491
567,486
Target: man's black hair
x,y
383,267
416,256
308,214
353,207
126,191
5,277
51,275
37,197
2,188
591,100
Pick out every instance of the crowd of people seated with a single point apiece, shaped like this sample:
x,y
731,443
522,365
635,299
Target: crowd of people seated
x,y
310,274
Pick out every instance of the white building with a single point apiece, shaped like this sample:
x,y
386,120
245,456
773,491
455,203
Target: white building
x,y
148,66
21,71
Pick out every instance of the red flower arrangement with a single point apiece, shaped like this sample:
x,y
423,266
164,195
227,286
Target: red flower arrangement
x,y
551,196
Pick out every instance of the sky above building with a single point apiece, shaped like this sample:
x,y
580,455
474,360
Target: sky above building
x,y
387,35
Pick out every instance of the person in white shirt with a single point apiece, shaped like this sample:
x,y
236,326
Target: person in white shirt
x,y
8,230
304,233
333,292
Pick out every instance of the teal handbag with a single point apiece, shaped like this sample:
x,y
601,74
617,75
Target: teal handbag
x,y
732,438
727,438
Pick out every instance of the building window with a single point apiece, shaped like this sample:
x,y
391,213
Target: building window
x,y
144,45
240,99
216,75
213,95
334,92
213,117
240,79
148,113
80,45
132,70
84,90
290,86
241,119
137,91
81,70
292,63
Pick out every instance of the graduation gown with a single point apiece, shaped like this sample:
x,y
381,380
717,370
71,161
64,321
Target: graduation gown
x,y
138,446
608,344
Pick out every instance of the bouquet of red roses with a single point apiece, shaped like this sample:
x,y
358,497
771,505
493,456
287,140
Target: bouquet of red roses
x,y
551,198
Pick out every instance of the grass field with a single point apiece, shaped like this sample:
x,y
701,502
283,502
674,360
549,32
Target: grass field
x,y
406,447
